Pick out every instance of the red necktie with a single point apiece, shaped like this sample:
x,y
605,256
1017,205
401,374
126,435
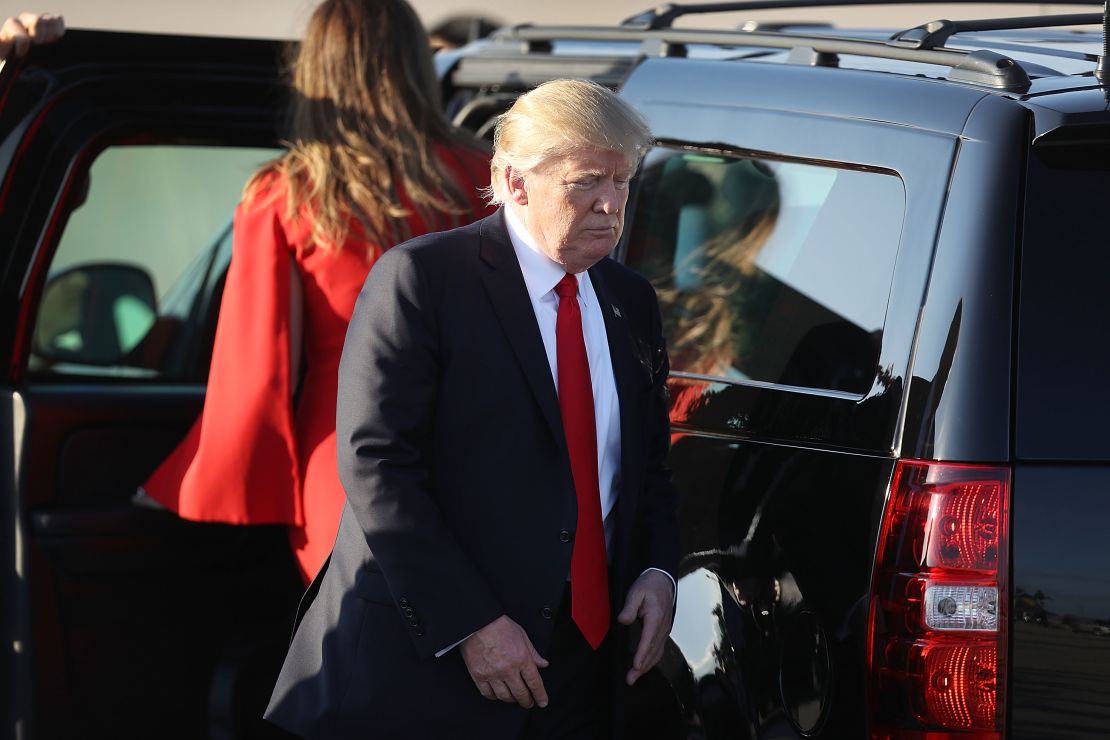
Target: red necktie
x,y
589,579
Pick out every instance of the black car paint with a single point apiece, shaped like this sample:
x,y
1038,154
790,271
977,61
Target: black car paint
x,y
784,488
1060,674
781,515
121,621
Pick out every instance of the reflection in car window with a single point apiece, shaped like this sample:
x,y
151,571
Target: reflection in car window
x,y
139,263
769,271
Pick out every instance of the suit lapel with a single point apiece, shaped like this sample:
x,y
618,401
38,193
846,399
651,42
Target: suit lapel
x,y
625,366
504,284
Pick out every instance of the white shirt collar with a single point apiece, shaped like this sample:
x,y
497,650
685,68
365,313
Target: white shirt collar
x,y
541,273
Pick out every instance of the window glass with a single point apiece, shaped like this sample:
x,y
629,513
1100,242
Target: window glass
x,y
769,271
140,262
1063,397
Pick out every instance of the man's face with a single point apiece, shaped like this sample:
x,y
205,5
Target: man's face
x,y
574,206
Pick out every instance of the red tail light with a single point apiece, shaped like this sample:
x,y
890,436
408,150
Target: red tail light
x,y
937,628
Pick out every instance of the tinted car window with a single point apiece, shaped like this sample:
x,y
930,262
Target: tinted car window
x,y
144,246
767,270
1064,334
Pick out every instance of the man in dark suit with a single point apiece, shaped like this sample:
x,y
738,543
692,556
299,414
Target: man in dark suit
x,y
504,557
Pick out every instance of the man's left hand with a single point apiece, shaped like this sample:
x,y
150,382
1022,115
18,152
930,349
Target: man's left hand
x,y
650,600
18,33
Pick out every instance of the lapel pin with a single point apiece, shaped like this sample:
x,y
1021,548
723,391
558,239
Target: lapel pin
x,y
616,311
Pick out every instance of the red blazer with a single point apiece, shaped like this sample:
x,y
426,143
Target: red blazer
x,y
251,457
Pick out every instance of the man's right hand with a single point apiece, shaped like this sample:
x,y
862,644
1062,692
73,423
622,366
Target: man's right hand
x,y
504,665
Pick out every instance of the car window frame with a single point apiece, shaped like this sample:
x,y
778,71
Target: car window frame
x,y
64,158
196,346
747,154
922,161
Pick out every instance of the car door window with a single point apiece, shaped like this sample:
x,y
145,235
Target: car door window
x,y
139,264
768,271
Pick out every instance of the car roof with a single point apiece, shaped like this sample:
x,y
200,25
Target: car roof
x,y
1042,58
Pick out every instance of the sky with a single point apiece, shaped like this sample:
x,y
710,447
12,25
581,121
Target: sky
x,y
286,18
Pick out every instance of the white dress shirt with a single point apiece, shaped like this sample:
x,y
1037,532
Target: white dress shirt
x,y
541,275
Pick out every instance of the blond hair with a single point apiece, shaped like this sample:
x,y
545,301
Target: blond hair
x,y
561,117
365,118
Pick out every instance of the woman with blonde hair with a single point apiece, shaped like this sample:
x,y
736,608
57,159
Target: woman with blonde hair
x,y
371,163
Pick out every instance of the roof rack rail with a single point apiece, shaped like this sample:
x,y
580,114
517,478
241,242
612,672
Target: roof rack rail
x,y
977,67
934,34
663,16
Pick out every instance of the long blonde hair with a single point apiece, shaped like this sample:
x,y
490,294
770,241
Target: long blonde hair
x,y
365,116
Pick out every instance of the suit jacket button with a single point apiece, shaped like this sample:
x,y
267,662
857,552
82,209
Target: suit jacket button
x,y
403,601
546,612
564,535
419,631
408,612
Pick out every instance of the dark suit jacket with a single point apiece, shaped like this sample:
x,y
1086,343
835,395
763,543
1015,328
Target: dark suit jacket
x,y
459,492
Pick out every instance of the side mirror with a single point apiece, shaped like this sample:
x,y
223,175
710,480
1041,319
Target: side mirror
x,y
94,314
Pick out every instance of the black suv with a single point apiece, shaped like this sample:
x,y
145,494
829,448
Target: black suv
x,y
881,257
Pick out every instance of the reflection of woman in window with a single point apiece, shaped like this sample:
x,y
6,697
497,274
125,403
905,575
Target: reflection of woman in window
x,y
706,330
713,285
710,217
705,326
372,162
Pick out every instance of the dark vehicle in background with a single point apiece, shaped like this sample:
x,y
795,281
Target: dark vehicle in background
x,y
882,259
121,158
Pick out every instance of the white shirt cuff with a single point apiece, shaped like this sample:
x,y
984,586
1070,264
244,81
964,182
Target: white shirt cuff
x,y
449,648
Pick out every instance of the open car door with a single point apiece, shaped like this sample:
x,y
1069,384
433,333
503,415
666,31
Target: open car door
x,y
122,157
